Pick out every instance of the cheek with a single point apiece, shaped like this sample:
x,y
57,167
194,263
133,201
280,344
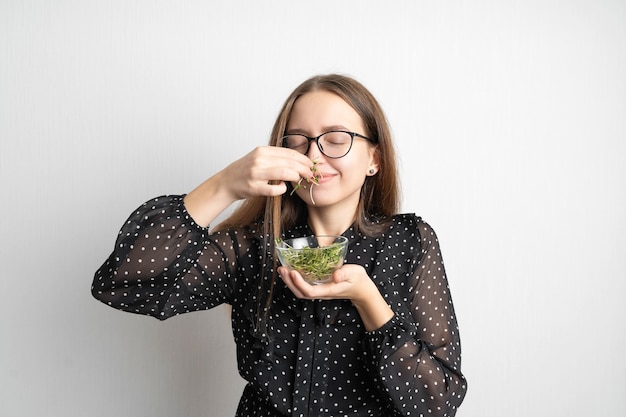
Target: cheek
x,y
354,168
361,160
355,164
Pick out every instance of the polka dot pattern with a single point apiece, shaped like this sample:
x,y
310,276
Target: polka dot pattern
x,y
317,360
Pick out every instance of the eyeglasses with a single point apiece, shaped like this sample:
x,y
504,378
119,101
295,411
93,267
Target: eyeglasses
x,y
333,144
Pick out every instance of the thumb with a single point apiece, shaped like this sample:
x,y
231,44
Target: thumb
x,y
341,274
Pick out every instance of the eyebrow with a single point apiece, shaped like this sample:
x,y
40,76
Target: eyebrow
x,y
324,130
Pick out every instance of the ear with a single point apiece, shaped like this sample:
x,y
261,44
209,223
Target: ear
x,y
374,161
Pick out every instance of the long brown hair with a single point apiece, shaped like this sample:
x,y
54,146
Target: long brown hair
x,y
379,194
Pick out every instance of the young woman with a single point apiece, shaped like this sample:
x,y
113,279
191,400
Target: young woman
x,y
381,339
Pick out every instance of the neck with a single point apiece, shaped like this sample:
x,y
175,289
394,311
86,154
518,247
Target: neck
x,y
331,221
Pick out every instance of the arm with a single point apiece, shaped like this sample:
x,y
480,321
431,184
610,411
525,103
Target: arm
x,y
165,262
154,268
262,172
416,356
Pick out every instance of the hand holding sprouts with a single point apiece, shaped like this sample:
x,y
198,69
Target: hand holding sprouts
x,y
313,180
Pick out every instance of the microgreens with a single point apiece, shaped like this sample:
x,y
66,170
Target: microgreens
x,y
316,264
314,179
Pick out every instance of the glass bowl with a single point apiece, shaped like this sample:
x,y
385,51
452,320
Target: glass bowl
x,y
314,257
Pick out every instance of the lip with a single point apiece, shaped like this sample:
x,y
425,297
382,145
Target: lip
x,y
325,177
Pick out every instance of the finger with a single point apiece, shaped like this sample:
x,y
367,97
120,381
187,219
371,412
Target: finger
x,y
288,156
288,172
285,275
295,156
296,161
280,170
338,276
312,292
304,290
270,188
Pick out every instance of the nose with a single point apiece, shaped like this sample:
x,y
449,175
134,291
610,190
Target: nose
x,y
314,149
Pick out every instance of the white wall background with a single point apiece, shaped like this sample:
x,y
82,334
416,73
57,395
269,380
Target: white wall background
x,y
510,119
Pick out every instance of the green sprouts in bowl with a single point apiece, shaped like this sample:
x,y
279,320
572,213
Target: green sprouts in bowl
x,y
314,257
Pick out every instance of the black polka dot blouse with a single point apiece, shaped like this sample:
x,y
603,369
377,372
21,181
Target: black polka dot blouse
x,y
316,359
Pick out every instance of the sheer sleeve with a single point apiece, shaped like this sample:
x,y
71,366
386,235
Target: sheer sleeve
x,y
164,264
416,356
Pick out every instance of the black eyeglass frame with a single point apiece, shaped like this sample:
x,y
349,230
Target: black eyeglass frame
x,y
283,141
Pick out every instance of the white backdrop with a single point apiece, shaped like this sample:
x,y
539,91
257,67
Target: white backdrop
x,y
510,120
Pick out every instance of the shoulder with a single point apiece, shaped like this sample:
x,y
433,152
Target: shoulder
x,y
407,222
410,225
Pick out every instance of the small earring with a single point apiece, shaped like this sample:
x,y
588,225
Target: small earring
x,y
372,171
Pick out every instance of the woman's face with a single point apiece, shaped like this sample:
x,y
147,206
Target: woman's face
x,y
341,179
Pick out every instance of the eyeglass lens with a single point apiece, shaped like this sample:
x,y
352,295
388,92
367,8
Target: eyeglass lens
x,y
331,144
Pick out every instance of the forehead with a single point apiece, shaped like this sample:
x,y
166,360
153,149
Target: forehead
x,y
319,110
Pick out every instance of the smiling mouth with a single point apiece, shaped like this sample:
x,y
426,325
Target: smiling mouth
x,y
323,177
325,174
